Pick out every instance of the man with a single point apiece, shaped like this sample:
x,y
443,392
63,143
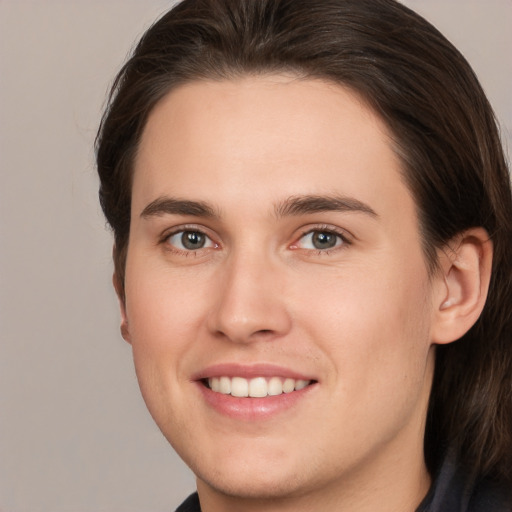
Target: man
x,y
312,215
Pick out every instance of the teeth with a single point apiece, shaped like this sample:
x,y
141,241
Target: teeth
x,y
239,387
288,385
301,384
215,384
275,386
225,385
256,388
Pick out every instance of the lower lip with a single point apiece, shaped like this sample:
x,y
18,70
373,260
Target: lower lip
x,y
252,409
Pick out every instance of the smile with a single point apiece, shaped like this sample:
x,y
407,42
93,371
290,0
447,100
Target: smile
x,y
258,387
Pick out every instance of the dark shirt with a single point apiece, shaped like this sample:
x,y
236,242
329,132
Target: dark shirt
x,y
191,504
452,491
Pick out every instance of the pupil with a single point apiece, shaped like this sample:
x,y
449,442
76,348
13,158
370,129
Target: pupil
x,y
192,240
322,240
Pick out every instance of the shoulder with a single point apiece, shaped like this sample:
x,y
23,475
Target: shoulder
x,y
455,489
490,496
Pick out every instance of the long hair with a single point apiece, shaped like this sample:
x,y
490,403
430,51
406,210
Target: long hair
x,y
444,132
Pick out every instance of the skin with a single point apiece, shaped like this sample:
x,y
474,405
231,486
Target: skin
x,y
360,318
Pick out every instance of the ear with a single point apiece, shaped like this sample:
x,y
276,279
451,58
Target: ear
x,y
125,331
461,285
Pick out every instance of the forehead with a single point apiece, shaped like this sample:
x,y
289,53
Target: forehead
x,y
265,138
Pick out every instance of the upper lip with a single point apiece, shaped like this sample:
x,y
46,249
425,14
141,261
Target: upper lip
x,y
249,371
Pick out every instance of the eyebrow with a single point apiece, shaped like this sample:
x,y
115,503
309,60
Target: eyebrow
x,y
173,206
293,206
302,205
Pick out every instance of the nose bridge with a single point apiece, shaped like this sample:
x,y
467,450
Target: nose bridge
x,y
250,302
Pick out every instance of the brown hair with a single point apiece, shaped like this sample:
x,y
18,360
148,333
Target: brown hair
x,y
444,131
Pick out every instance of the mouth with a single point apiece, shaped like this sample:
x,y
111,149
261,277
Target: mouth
x,y
254,393
256,387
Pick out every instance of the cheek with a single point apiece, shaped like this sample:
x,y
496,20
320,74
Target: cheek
x,y
373,325
163,321
162,308
164,315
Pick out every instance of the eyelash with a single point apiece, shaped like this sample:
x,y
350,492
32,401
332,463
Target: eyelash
x,y
342,242
181,231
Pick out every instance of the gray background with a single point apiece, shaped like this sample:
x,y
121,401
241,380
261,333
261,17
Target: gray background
x,y
74,432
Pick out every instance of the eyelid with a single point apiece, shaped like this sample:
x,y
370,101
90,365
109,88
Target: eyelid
x,y
346,237
175,230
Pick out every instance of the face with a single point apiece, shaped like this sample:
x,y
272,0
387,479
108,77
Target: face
x,y
275,252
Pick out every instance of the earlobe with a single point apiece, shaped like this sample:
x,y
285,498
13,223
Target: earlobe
x,y
462,285
125,331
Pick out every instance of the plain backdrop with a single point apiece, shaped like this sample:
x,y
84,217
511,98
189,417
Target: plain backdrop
x,y
74,432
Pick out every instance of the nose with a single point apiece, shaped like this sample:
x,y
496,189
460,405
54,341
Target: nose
x,y
250,302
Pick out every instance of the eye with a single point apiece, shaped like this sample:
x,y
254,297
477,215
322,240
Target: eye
x,y
189,240
321,240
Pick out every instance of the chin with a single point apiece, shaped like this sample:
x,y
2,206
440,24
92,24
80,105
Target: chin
x,y
252,477
254,484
